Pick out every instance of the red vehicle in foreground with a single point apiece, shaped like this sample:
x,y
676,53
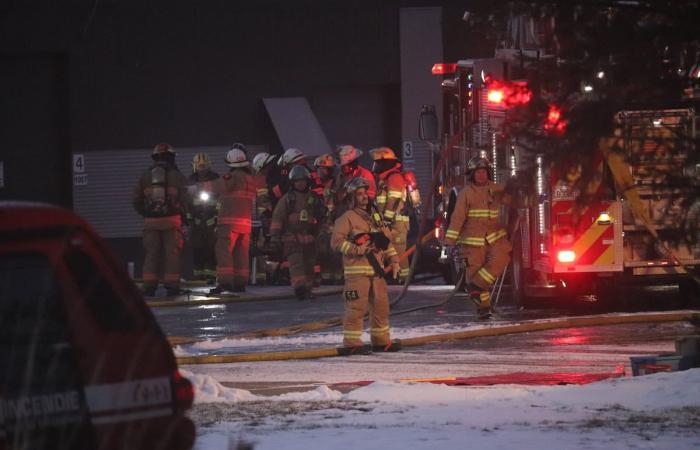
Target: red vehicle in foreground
x,y
84,365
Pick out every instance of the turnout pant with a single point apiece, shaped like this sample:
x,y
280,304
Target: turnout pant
x,y
484,264
302,259
163,248
364,294
399,235
232,248
203,241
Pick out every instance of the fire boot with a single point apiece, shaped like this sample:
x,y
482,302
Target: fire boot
x,y
483,307
393,346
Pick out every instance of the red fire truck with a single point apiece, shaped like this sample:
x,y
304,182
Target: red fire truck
x,y
573,234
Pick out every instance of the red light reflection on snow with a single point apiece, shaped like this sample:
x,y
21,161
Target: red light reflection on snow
x,y
570,337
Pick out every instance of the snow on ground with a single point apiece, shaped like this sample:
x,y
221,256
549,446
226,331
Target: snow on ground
x,y
660,411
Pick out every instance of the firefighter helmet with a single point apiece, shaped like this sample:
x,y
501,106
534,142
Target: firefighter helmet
x,y
262,160
348,154
355,184
240,146
236,158
299,173
325,160
163,149
380,153
478,162
201,162
291,156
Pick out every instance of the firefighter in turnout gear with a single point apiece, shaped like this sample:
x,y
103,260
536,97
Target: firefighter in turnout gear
x,y
296,221
330,261
262,164
236,192
392,193
365,288
161,198
202,218
350,168
476,228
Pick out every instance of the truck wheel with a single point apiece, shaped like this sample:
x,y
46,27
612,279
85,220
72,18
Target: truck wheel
x,y
690,292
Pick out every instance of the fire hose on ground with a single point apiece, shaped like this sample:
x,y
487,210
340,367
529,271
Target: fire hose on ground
x,y
525,327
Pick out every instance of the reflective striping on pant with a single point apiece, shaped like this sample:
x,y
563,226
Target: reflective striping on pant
x,y
486,275
382,330
485,300
352,334
496,235
452,234
404,272
473,241
389,214
402,218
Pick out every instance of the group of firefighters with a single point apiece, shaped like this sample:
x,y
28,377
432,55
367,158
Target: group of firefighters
x,y
352,222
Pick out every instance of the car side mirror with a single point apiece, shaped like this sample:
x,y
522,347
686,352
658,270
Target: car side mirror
x,y
428,124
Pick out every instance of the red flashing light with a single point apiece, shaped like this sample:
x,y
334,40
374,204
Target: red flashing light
x,y
444,68
495,96
511,93
554,123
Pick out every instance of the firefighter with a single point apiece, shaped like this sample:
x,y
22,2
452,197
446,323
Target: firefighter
x,y
236,192
392,195
350,168
475,227
365,289
290,158
262,164
296,221
202,218
330,261
160,197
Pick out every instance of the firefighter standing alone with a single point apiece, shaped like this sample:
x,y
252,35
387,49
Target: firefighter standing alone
x,y
296,222
476,228
202,218
160,197
365,288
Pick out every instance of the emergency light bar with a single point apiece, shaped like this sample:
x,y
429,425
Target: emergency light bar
x,y
444,68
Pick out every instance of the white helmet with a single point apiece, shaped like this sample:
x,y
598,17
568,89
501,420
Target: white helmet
x,y
236,158
262,160
290,156
348,154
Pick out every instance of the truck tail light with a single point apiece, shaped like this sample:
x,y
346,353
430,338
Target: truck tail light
x,y
444,68
566,256
184,391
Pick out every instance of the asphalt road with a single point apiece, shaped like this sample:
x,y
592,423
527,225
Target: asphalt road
x,y
590,350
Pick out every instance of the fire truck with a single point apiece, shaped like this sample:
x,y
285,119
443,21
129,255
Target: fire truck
x,y
621,224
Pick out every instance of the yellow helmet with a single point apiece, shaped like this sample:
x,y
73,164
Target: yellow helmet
x,y
382,153
201,162
325,160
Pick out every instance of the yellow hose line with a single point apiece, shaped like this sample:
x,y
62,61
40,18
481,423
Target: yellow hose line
x,y
267,332
574,322
242,299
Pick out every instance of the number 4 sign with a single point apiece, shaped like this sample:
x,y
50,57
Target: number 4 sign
x,y
78,163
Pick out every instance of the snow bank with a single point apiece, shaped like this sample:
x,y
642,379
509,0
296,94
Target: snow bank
x,y
208,390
